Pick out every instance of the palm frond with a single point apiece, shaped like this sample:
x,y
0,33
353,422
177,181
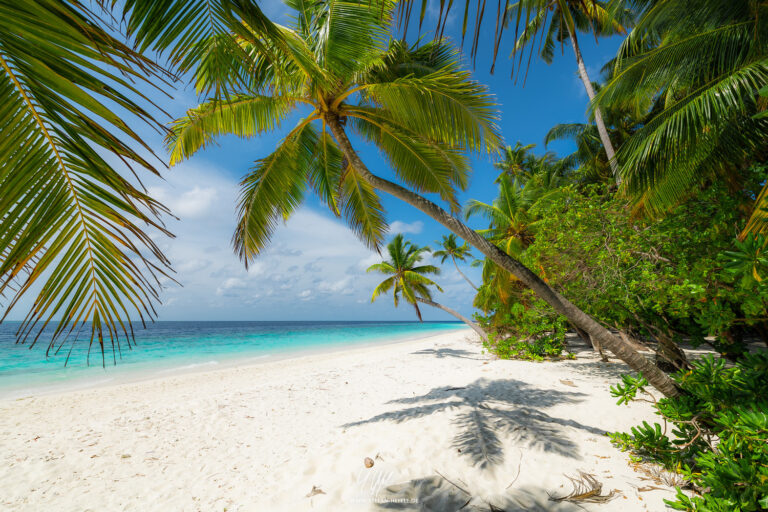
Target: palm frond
x,y
362,209
242,115
273,190
71,223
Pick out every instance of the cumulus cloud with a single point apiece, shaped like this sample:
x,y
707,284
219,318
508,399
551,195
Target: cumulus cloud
x,y
413,228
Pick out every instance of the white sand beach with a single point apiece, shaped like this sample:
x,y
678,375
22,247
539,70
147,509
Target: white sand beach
x,y
446,426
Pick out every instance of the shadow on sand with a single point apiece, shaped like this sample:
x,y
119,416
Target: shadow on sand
x,y
488,410
441,353
435,493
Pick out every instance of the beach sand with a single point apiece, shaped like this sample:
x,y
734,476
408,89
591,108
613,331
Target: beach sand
x,y
445,425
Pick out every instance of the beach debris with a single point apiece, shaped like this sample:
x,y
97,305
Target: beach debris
x,y
368,462
125,456
586,488
315,491
568,383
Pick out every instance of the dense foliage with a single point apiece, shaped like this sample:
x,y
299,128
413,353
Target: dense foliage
x,y
714,435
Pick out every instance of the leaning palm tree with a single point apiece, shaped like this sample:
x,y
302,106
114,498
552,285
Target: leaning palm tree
x,y
450,248
555,21
415,103
409,279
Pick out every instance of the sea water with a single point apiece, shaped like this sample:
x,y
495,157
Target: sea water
x,y
164,348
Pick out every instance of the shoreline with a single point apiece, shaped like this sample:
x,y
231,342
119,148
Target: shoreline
x,y
134,376
294,434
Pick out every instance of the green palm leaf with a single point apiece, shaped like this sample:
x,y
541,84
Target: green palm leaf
x,y
70,221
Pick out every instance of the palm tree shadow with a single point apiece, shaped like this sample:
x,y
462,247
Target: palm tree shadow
x,y
491,410
449,352
435,493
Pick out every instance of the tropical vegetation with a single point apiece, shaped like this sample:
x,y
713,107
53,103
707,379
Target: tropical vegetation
x,y
415,103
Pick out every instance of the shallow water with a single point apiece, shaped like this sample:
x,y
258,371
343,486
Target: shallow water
x,y
170,347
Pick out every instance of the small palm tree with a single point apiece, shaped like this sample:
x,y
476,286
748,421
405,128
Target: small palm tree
x,y
409,279
516,161
450,248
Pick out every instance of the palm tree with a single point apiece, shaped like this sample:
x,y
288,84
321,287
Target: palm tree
x,y
409,279
697,69
450,248
516,161
509,215
556,20
73,230
414,103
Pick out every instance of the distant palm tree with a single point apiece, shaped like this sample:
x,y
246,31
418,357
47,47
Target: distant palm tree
x,y
554,21
450,248
409,279
415,103
517,161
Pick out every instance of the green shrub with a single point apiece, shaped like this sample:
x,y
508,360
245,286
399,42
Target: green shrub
x,y
536,337
715,435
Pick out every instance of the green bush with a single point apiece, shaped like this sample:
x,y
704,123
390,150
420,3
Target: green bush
x,y
682,276
537,337
715,434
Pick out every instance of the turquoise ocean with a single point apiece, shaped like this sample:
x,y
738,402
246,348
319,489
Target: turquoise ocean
x,y
165,348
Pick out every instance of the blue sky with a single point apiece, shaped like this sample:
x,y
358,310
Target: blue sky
x,y
315,268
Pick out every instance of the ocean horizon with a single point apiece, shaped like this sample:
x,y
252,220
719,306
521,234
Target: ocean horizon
x,y
168,347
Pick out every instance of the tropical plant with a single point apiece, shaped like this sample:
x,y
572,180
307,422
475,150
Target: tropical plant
x,y
409,279
698,69
74,230
715,436
72,226
554,21
415,103
450,248
517,161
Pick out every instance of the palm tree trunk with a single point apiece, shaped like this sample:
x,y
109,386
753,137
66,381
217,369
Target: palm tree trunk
x,y
636,361
462,274
458,315
604,138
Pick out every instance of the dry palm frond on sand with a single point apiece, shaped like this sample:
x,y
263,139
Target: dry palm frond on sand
x,y
585,488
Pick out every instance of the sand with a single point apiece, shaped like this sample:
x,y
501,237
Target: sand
x,y
445,425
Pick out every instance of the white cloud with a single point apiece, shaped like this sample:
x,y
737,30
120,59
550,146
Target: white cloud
x,y
403,227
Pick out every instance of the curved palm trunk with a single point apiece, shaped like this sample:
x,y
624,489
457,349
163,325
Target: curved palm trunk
x,y
636,361
462,274
601,129
458,315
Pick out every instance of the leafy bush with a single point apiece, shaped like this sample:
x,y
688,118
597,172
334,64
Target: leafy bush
x,y
718,439
684,275
536,337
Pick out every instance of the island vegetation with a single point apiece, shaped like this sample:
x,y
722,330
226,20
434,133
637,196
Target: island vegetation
x,y
651,235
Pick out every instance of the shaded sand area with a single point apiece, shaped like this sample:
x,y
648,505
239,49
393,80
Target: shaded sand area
x,y
447,428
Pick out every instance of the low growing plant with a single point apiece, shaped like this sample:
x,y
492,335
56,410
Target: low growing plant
x,y
715,434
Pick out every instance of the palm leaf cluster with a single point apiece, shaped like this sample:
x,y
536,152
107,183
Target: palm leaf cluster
x,y
697,68
337,61
73,228
408,278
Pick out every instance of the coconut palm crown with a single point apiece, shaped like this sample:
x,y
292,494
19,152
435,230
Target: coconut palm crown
x,y
414,103
407,278
450,248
